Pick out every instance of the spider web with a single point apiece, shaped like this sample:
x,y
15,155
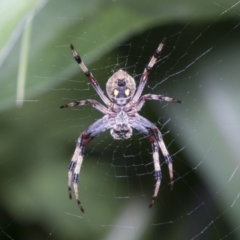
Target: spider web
x,y
200,66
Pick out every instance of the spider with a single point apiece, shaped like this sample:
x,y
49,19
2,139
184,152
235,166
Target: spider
x,y
120,116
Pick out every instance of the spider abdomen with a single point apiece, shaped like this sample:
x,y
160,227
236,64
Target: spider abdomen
x,y
121,128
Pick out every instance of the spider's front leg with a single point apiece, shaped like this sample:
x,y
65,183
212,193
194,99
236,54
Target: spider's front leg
x,y
90,76
147,70
93,131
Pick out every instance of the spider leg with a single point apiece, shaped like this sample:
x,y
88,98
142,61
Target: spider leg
x,y
147,70
158,141
165,152
90,76
158,173
144,126
146,97
94,103
74,168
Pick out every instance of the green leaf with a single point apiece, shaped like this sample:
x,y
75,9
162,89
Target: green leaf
x,y
95,27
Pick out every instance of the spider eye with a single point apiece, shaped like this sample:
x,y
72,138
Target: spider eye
x,y
127,92
115,92
121,92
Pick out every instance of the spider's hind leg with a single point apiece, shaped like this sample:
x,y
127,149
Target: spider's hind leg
x,y
89,134
165,152
157,168
154,135
157,141
74,170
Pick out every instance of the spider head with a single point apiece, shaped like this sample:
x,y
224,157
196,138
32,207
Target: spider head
x,y
120,87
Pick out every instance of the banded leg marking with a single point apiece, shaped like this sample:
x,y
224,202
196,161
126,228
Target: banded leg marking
x,y
168,160
165,152
90,76
147,70
73,173
158,173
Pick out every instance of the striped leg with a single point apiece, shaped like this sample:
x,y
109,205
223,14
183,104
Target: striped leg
x,y
94,103
165,153
147,70
144,126
74,168
158,173
146,97
90,76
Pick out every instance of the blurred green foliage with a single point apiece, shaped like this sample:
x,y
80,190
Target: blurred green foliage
x,y
38,74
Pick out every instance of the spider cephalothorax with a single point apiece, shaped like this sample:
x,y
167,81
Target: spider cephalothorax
x,y
120,87
120,116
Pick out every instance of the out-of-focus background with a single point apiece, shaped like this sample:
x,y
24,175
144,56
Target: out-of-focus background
x,y
199,65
